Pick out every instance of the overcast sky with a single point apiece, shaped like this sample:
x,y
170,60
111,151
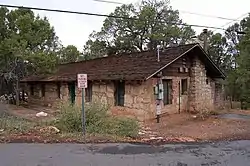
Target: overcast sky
x,y
75,29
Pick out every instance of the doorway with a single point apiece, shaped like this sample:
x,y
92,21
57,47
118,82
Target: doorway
x,y
72,92
119,93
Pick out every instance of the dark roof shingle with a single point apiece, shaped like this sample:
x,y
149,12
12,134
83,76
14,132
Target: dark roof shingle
x,y
134,66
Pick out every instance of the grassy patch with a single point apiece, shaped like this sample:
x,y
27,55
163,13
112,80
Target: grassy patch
x,y
98,121
10,123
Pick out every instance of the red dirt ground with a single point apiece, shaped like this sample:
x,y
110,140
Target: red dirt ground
x,y
212,128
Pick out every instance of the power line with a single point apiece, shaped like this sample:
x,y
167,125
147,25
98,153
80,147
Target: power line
x,y
64,11
228,23
182,11
113,2
206,15
104,15
243,15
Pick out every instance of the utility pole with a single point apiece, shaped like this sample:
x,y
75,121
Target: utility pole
x,y
205,40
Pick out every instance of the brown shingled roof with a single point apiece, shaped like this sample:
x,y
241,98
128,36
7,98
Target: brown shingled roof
x,y
134,66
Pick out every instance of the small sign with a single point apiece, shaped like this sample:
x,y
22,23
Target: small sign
x,y
158,109
82,81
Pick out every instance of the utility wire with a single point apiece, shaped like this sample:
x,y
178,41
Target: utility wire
x,y
181,11
104,15
64,11
106,1
206,15
243,15
228,23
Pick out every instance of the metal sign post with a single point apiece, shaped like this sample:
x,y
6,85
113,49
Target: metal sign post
x,y
158,112
82,83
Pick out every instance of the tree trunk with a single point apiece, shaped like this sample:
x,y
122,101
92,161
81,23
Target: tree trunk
x,y
231,102
17,92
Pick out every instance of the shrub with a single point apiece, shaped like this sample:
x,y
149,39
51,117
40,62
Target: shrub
x,y
98,121
69,118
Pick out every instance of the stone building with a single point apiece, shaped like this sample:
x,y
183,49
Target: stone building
x,y
126,82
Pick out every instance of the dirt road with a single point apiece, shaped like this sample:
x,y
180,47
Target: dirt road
x,y
219,154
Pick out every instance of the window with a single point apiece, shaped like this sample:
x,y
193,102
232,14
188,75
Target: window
x,y
58,89
43,89
31,90
207,81
88,92
184,86
167,91
119,93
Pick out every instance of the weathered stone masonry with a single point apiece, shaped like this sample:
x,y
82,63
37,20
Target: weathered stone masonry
x,y
139,101
202,87
139,98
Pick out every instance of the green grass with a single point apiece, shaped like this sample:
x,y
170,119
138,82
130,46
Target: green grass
x,y
10,123
98,121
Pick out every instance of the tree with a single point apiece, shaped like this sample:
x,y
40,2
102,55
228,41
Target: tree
x,y
151,23
218,50
239,78
28,45
69,54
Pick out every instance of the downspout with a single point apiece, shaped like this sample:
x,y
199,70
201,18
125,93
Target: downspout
x,y
158,53
159,81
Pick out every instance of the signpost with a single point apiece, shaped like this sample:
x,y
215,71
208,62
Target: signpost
x,y
82,83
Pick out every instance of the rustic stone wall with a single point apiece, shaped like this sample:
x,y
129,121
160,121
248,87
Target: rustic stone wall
x,y
202,88
177,97
51,97
219,100
102,92
139,100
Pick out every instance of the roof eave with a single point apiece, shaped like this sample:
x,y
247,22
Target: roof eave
x,y
209,58
171,62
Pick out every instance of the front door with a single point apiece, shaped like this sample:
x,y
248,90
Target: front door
x,y
72,92
119,93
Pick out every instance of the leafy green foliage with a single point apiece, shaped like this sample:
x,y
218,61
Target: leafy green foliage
x,y
238,81
98,121
152,23
28,45
69,54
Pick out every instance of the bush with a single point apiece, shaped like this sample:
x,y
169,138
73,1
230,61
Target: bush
x,y
69,118
98,121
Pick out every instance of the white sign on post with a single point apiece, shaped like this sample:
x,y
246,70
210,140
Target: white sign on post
x,y
82,81
158,109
